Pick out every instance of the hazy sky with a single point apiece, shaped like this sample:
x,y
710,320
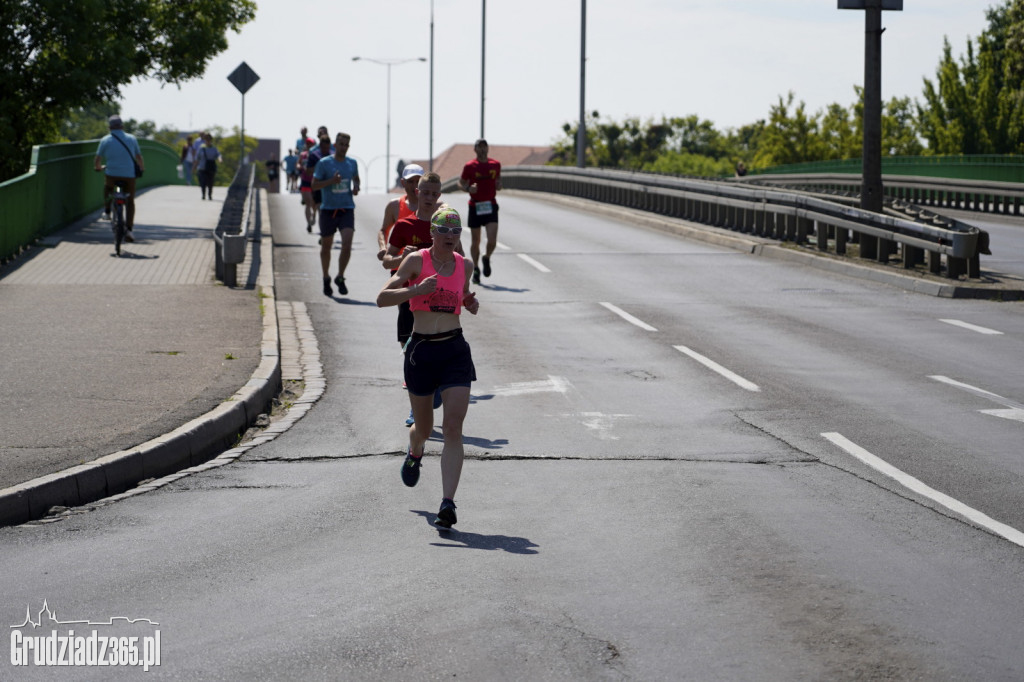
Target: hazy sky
x,y
724,60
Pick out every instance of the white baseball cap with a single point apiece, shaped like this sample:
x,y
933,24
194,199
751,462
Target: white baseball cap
x,y
412,170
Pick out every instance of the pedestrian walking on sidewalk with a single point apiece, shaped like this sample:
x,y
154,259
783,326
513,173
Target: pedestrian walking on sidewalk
x,y
188,159
435,281
207,159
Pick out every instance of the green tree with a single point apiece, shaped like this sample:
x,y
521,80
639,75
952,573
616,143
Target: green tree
x,y
899,128
840,133
87,123
59,56
230,151
684,163
565,148
789,138
976,104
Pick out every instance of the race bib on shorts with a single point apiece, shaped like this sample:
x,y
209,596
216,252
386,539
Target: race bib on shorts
x,y
484,208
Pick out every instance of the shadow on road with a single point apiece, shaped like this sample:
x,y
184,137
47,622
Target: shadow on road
x,y
457,538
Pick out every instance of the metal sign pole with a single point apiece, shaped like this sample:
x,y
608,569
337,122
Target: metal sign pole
x,y
872,192
241,138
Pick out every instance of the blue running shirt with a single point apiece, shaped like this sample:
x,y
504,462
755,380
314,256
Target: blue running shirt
x,y
339,195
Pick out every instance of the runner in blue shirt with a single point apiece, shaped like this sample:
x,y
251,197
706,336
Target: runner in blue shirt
x,y
337,177
291,170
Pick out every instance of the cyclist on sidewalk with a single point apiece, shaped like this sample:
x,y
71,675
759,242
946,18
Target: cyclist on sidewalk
x,y
121,153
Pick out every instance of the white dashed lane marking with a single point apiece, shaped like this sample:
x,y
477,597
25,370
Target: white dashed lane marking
x,y
911,483
712,365
973,327
628,318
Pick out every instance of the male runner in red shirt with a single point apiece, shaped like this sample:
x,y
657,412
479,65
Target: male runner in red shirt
x,y
481,177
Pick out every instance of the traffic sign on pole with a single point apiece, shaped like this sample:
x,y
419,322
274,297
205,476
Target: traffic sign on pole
x,y
243,78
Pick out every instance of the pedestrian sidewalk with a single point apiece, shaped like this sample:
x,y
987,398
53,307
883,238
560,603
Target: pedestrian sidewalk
x,y
118,370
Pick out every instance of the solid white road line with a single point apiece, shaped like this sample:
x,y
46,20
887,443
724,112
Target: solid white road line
x,y
711,364
628,318
972,327
533,262
1014,411
908,481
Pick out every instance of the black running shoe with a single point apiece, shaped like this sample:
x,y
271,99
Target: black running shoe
x,y
340,281
309,227
446,516
327,287
487,266
411,469
476,275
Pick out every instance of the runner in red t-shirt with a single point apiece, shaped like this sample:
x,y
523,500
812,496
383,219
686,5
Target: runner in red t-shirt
x,y
481,177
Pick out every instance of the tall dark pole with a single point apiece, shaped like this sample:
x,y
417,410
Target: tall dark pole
x,y
241,152
871,193
581,131
483,64
387,148
430,162
871,188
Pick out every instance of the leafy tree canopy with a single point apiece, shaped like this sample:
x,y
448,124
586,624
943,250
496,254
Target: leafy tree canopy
x,y
976,103
59,56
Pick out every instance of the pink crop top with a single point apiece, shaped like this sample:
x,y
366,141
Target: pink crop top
x,y
447,297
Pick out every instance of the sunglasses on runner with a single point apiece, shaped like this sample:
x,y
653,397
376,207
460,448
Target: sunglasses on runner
x,y
442,229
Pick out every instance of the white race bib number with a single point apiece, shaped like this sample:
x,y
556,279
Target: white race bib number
x,y
484,208
342,187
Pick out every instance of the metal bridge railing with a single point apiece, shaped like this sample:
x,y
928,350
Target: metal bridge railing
x,y
952,248
236,219
986,196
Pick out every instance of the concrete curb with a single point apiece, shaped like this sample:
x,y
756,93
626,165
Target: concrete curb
x,y
191,444
771,248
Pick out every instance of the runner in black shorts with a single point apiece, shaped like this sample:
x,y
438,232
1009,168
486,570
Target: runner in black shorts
x,y
435,281
481,177
338,176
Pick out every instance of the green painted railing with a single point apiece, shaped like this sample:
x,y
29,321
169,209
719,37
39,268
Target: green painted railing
x,y
61,187
986,167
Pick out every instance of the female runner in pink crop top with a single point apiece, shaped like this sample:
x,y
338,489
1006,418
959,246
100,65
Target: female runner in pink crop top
x,y
435,281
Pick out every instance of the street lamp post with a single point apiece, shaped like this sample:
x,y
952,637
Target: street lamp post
x,y
430,163
483,64
388,63
581,131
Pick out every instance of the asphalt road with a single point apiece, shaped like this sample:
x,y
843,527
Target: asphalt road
x,y
671,476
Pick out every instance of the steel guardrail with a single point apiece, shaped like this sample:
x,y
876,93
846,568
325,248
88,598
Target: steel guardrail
x,y
761,211
984,196
232,232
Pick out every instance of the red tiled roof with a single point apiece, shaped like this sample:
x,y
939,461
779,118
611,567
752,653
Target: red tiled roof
x,y
448,164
